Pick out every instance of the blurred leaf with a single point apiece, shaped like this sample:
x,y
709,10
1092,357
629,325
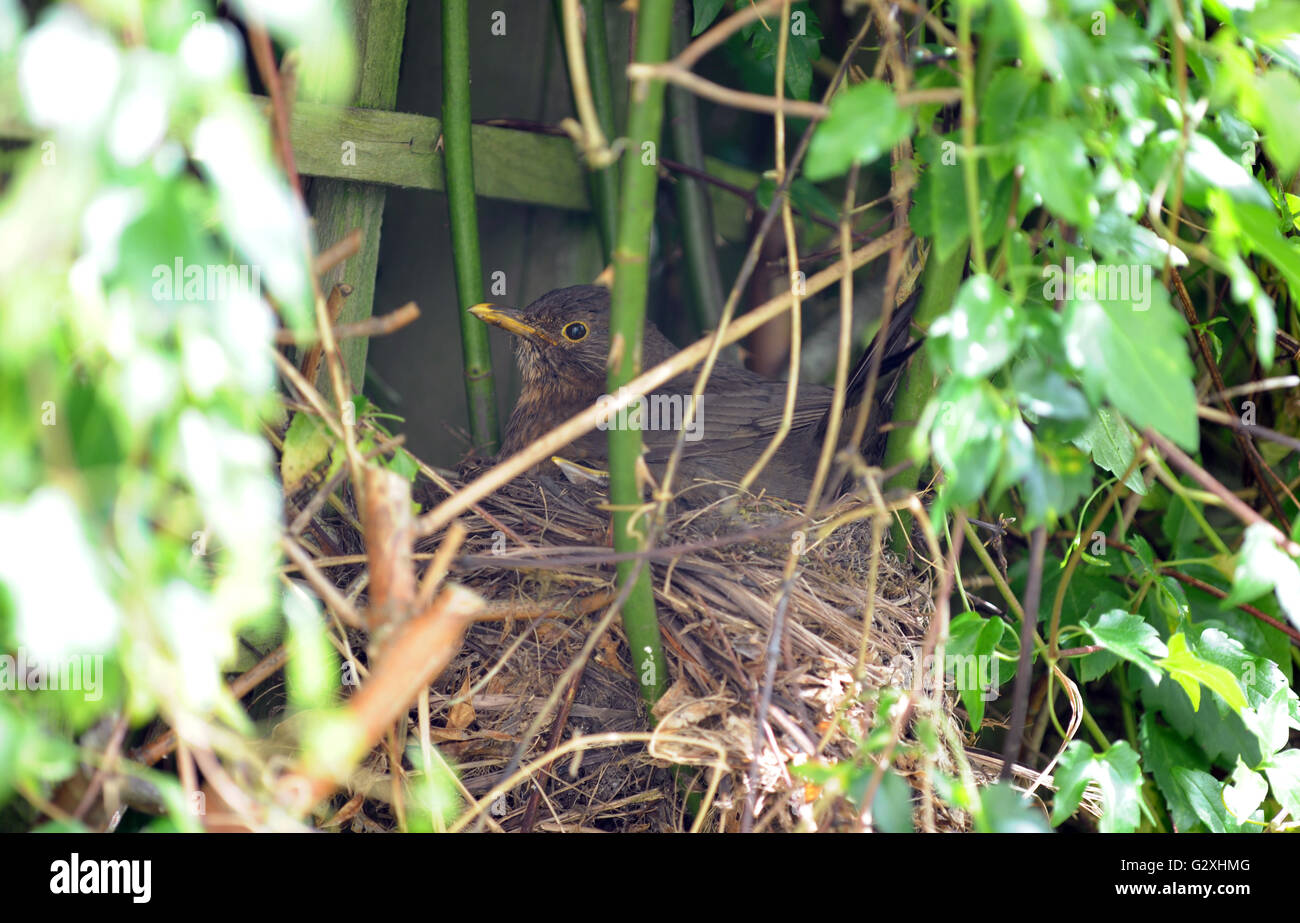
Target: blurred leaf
x,y
1002,809
979,334
1279,100
1056,168
965,423
1046,393
1283,773
306,444
705,11
1136,357
1262,566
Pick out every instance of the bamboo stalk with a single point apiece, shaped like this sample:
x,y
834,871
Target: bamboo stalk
x,y
627,318
694,213
595,88
940,282
479,390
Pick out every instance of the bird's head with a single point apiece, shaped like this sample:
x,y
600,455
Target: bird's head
x,y
563,336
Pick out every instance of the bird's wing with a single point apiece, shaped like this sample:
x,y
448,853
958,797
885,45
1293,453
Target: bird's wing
x,y
727,421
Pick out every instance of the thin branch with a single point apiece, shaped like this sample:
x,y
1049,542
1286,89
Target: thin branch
x,y
1238,508
380,325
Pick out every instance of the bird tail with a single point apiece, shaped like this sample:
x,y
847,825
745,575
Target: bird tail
x,y
897,350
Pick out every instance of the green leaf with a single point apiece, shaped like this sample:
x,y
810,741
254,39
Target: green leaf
x,y
312,669
999,113
1138,359
1099,663
1209,169
1057,170
1258,225
1164,750
1279,96
1283,773
802,49
1115,773
404,464
979,334
306,444
705,12
1045,393
970,662
965,423
1130,637
1261,566
865,121
1246,793
1110,440
1002,809
1191,672
1205,795
891,811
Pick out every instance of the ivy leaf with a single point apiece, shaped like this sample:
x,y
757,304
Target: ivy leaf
x,y
1191,671
1164,750
865,121
1130,637
1115,773
1205,795
1134,353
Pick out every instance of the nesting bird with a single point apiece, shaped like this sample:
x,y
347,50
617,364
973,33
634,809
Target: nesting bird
x,y
562,347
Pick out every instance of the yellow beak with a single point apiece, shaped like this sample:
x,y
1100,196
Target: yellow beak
x,y
512,321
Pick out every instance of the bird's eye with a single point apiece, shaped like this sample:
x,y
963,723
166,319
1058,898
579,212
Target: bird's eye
x,y
575,331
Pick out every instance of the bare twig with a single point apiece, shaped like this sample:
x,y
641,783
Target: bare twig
x,y
381,325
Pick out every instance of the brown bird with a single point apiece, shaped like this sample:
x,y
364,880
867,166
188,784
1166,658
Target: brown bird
x,y
562,346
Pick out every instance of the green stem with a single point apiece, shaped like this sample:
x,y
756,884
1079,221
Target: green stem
x,y
627,318
604,183
464,224
940,282
693,211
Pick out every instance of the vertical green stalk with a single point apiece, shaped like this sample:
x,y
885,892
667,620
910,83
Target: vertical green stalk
x,y
693,211
603,183
459,158
939,282
627,318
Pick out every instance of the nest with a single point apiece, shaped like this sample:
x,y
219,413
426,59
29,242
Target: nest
x,y
531,687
